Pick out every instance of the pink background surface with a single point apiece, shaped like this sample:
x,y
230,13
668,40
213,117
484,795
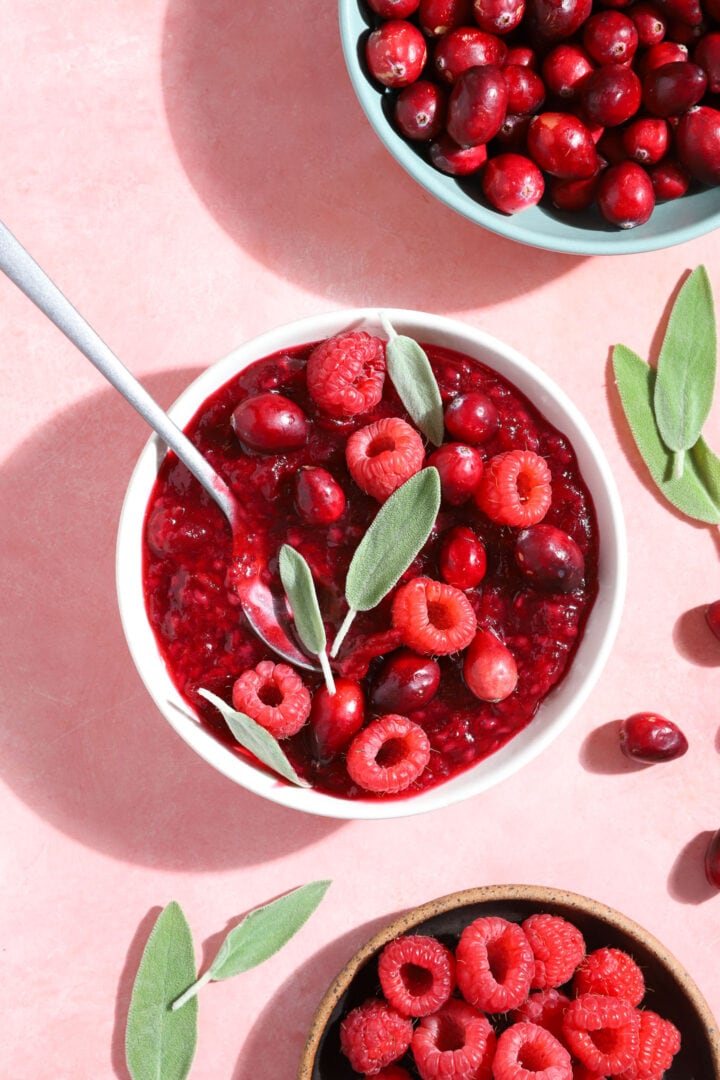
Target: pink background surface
x,y
193,172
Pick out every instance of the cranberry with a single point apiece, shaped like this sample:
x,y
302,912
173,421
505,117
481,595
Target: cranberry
x,y
688,12
650,738
707,55
174,530
406,681
420,110
498,16
549,21
649,23
489,668
549,558
462,560
573,194
477,105
610,37
712,860
673,88
460,468
625,195
611,95
564,69
561,145
611,146
665,52
393,9
396,53
512,136
522,55
319,499
526,90
464,48
472,417
335,718
712,617
697,141
270,422
455,160
512,182
439,17
670,180
646,140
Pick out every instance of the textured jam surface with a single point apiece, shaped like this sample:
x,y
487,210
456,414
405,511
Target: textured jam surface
x,y
203,634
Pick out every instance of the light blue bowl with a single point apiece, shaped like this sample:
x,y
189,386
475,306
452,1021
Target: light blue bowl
x,y
578,234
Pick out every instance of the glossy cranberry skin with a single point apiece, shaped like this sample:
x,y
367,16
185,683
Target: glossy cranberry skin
x,y
512,183
438,17
564,69
522,55
477,105
670,180
393,9
460,468
269,423
610,37
455,160
550,21
649,738
707,55
396,53
712,860
489,668
526,90
319,499
646,140
462,560
464,48
665,52
573,195
512,136
625,195
549,559
712,617
697,142
673,88
406,682
420,110
650,23
561,145
688,12
611,95
472,418
335,718
498,16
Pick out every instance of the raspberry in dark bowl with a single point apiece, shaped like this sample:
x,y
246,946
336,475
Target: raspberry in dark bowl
x,y
508,598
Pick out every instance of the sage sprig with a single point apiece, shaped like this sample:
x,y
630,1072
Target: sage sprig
x,y
413,378
299,586
396,535
256,739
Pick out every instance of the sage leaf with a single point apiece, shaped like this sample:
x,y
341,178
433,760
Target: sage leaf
x,y
697,491
415,382
299,586
159,1042
685,381
256,739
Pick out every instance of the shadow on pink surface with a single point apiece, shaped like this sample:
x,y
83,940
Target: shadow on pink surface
x,y
268,129
687,882
81,743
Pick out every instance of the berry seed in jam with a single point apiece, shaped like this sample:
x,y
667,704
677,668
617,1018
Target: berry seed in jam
x,y
416,659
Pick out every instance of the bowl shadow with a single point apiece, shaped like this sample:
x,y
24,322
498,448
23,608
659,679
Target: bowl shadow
x,y
269,132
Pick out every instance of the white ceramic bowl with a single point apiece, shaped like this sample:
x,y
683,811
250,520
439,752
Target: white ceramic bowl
x,y
561,704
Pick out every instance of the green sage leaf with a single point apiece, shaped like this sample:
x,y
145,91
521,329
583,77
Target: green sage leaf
x,y
256,739
697,491
685,380
398,532
160,1043
299,586
414,379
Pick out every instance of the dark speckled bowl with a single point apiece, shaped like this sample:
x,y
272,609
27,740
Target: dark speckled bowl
x,y
670,990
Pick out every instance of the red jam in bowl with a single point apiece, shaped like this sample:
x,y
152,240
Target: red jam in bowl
x,y
206,641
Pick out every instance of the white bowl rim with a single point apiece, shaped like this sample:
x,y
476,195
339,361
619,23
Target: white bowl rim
x,y
600,630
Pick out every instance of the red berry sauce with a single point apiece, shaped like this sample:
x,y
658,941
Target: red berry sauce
x,y
202,632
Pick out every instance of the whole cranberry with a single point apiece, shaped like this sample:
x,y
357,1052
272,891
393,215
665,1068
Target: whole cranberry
x,y
269,423
406,681
712,617
522,55
477,105
464,48
625,195
665,52
647,139
564,69
420,110
574,195
489,668
610,37
512,182
396,53
455,160
697,142
498,16
611,146
649,738
611,95
686,35
549,558
393,9
472,417
650,23
561,145
673,88
549,21
462,560
319,499
512,136
438,17
460,468
712,860
707,55
685,11
670,180
526,90
335,718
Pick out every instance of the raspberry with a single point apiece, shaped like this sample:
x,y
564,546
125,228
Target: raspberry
x,y
495,964
388,755
435,618
529,1052
455,1043
383,455
374,1035
611,972
602,1032
659,1042
417,974
580,1072
545,1008
558,947
393,1072
345,374
515,488
274,696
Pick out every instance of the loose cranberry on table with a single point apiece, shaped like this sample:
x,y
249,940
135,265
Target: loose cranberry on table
x,y
712,617
712,860
649,738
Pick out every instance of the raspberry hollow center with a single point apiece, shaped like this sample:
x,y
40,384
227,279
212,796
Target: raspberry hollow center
x,y
417,980
605,1040
391,752
524,486
532,1058
440,615
271,694
450,1036
498,960
381,445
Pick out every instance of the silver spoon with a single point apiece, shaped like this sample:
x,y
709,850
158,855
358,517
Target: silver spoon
x,y
266,616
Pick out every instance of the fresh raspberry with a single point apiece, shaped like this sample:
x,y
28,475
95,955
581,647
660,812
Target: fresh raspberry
x,y
659,1043
558,947
435,618
393,1072
529,1052
274,696
388,754
383,455
602,1032
545,1008
374,1035
345,374
515,488
455,1043
611,972
495,964
581,1072
417,974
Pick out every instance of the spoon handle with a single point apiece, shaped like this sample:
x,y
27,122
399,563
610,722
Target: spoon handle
x,y
22,269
